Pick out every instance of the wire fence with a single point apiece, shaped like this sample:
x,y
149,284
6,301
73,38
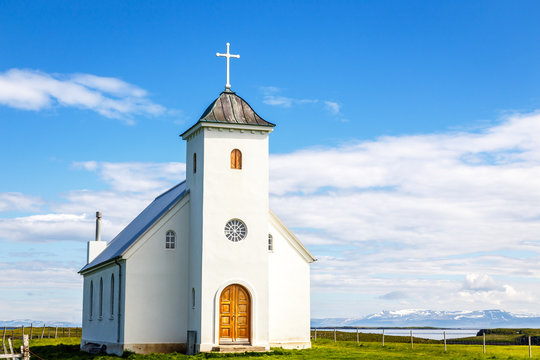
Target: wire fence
x,y
40,332
444,337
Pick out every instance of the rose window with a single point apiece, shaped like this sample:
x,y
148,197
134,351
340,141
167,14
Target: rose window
x,y
235,230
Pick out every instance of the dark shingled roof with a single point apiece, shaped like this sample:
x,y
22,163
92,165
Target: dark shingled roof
x,y
231,108
139,225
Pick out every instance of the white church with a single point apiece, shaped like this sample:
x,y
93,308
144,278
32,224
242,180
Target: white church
x,y
207,266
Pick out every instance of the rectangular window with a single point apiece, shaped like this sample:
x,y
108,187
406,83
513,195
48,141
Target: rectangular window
x,y
270,243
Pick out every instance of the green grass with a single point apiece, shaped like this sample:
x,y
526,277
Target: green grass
x,y
48,332
505,337
323,349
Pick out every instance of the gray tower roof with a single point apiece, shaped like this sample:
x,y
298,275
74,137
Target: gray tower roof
x,y
231,108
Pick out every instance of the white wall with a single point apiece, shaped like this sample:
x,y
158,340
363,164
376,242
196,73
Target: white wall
x,y
289,293
228,194
157,282
195,144
104,328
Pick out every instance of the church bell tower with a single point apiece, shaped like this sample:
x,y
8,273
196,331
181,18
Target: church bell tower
x,y
227,180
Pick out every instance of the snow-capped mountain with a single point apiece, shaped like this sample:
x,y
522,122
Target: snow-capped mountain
x,y
36,323
419,317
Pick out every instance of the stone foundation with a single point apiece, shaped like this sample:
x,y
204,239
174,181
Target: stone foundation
x,y
292,345
118,349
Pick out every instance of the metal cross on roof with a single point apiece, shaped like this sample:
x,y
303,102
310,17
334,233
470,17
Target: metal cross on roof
x,y
228,56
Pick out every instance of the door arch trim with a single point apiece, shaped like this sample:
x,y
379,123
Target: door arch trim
x,y
252,294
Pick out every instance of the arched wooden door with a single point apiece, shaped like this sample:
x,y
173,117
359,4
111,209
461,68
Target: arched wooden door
x,y
234,315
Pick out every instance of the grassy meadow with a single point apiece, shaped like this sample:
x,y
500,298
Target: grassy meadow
x,y
323,349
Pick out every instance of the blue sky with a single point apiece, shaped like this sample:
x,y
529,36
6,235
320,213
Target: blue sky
x,y
405,130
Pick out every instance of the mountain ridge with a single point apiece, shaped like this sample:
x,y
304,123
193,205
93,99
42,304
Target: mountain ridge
x,y
435,318
36,323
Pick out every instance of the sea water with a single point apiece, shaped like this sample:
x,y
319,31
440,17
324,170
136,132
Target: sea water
x,y
432,334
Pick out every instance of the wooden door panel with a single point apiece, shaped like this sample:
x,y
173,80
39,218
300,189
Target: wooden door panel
x,y
242,321
235,317
226,315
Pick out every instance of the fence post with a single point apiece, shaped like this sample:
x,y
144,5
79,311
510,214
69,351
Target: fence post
x,y
357,337
49,332
4,335
445,341
69,333
484,343
31,330
383,337
411,340
43,331
26,348
10,346
335,337
56,332
22,336
530,351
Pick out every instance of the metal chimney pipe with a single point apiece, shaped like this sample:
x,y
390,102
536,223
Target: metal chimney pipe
x,y
98,226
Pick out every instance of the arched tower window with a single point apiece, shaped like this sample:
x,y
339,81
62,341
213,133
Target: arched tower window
x,y
170,240
193,298
100,298
236,159
194,163
112,295
91,299
270,242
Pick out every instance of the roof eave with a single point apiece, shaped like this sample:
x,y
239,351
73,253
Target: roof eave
x,y
299,246
95,267
223,125
122,251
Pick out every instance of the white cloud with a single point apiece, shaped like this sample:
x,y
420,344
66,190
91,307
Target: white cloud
x,y
333,107
136,176
394,295
272,97
48,227
110,97
415,214
132,186
40,290
418,221
480,282
14,201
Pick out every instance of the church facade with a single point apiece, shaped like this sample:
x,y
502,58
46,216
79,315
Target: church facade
x,y
207,265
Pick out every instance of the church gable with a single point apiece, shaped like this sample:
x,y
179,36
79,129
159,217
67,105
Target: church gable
x,y
169,233
131,233
276,223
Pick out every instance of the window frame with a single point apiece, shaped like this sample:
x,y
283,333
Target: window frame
x,y
233,236
91,312
236,159
170,242
112,297
100,298
270,243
